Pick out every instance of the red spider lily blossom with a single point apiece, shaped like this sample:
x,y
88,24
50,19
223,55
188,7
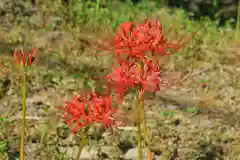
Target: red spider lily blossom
x,y
123,76
125,29
95,109
136,40
23,58
130,75
150,77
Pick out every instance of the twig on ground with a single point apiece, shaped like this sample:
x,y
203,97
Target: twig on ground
x,y
195,73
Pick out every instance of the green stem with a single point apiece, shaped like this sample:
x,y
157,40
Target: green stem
x,y
215,4
142,115
139,136
24,96
145,130
81,145
238,24
138,98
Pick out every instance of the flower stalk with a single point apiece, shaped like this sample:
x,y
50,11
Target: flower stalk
x,y
142,115
24,108
145,131
24,61
238,24
82,143
139,136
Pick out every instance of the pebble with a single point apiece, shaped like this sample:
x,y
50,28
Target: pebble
x,y
132,154
85,155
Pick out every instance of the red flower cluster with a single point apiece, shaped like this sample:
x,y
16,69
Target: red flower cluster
x,y
91,109
23,58
130,75
136,71
135,41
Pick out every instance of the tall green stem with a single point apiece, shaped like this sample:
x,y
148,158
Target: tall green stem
x,y
81,145
24,96
238,24
139,135
145,130
142,116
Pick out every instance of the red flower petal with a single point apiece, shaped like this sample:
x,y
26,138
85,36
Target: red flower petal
x,y
16,56
23,58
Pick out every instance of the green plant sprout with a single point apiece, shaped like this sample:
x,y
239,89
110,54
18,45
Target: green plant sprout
x,y
167,114
3,146
194,110
177,54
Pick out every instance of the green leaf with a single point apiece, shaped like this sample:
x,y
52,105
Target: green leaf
x,y
194,110
164,114
46,109
3,119
3,145
171,114
177,54
99,89
75,76
202,80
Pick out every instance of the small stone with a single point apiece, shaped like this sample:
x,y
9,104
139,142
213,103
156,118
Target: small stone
x,y
85,154
133,154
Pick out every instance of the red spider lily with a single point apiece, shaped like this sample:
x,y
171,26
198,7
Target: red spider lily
x,y
125,29
129,75
135,40
123,77
96,109
23,58
150,77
